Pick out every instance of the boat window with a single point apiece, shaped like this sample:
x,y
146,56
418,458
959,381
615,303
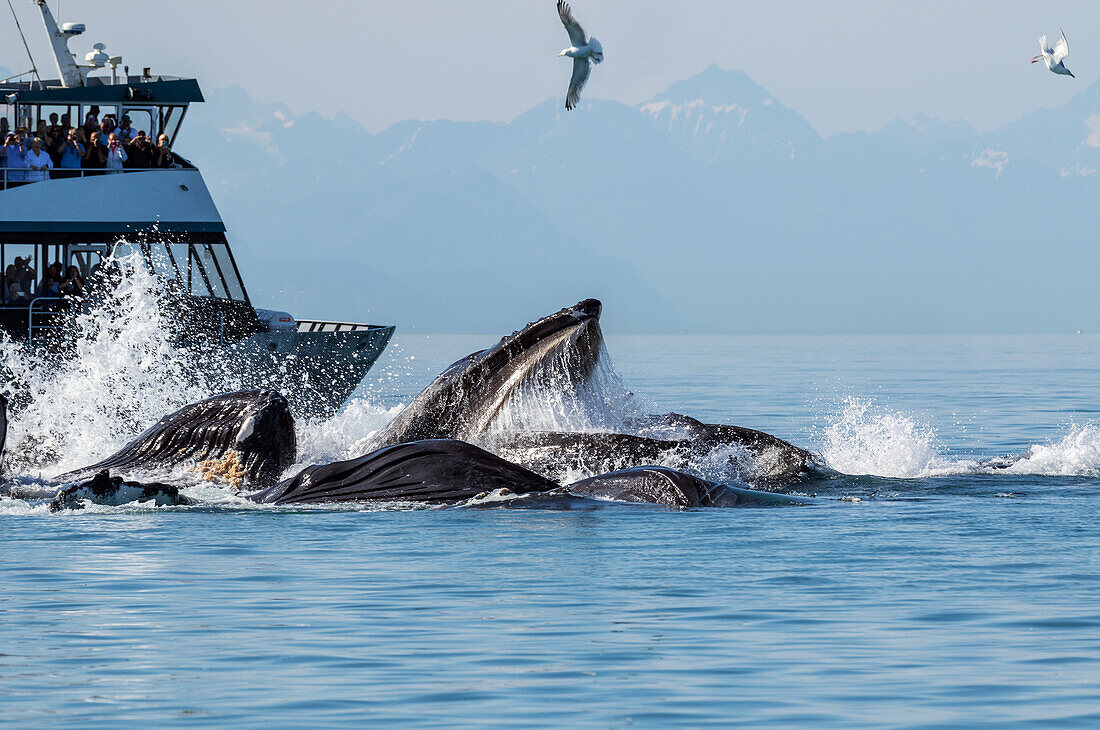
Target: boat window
x,y
210,264
161,261
86,256
198,278
232,282
141,119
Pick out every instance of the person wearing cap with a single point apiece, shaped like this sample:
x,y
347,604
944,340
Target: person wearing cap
x,y
38,162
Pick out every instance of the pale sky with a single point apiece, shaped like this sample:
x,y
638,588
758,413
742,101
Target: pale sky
x,y
844,65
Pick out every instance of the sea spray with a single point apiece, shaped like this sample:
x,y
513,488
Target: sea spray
x,y
551,400
865,439
125,371
1075,454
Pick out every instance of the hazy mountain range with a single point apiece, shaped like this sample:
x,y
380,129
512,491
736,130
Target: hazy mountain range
x,y
711,207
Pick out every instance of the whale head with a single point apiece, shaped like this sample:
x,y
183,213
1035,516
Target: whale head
x,y
246,439
462,402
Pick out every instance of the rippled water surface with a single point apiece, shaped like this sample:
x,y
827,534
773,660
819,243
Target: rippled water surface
x,y
949,594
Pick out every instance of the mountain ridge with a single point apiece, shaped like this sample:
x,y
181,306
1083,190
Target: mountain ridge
x,y
710,207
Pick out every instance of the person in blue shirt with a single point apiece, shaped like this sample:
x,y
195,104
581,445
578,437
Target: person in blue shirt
x,y
72,153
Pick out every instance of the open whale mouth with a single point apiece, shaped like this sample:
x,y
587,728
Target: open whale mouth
x,y
563,348
560,351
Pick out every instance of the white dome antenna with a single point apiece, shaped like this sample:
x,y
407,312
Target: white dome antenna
x,y
98,57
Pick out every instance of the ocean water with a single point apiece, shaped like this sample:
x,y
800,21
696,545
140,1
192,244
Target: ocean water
x,y
924,588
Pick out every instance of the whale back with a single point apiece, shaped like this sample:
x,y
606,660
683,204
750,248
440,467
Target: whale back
x,y
247,438
671,488
435,471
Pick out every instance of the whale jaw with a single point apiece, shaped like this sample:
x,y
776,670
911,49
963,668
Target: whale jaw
x,y
463,401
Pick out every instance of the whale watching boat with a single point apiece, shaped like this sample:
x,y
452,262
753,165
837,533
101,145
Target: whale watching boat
x,y
161,215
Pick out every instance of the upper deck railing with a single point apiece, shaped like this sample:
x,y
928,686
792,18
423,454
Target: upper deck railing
x,y
14,177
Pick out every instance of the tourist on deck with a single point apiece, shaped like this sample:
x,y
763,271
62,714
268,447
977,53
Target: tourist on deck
x,y
38,161
124,132
10,147
49,287
72,154
116,155
162,156
95,155
140,152
91,122
73,286
13,159
13,292
24,275
55,129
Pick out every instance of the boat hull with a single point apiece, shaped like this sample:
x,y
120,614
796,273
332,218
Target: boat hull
x,y
316,371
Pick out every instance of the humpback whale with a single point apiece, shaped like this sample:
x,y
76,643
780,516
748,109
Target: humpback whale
x,y
113,491
449,472
563,350
771,461
434,471
672,488
246,438
462,401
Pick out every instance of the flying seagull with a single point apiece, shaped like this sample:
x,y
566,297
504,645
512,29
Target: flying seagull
x,y
581,51
1054,56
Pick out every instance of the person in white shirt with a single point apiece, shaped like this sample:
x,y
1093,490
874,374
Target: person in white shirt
x,y
39,163
116,155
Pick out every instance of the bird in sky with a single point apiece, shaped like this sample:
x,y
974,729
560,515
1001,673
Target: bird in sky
x,y
582,50
1054,56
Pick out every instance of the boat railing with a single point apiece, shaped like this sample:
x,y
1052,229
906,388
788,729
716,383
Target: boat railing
x,y
45,308
67,173
309,325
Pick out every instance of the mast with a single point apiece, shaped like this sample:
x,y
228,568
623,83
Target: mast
x,y
67,70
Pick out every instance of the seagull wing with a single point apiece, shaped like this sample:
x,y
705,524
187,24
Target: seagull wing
x,y
1061,49
576,83
1044,47
572,27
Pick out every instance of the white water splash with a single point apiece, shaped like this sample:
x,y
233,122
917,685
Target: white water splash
x,y
345,435
1075,454
124,374
865,439
551,400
